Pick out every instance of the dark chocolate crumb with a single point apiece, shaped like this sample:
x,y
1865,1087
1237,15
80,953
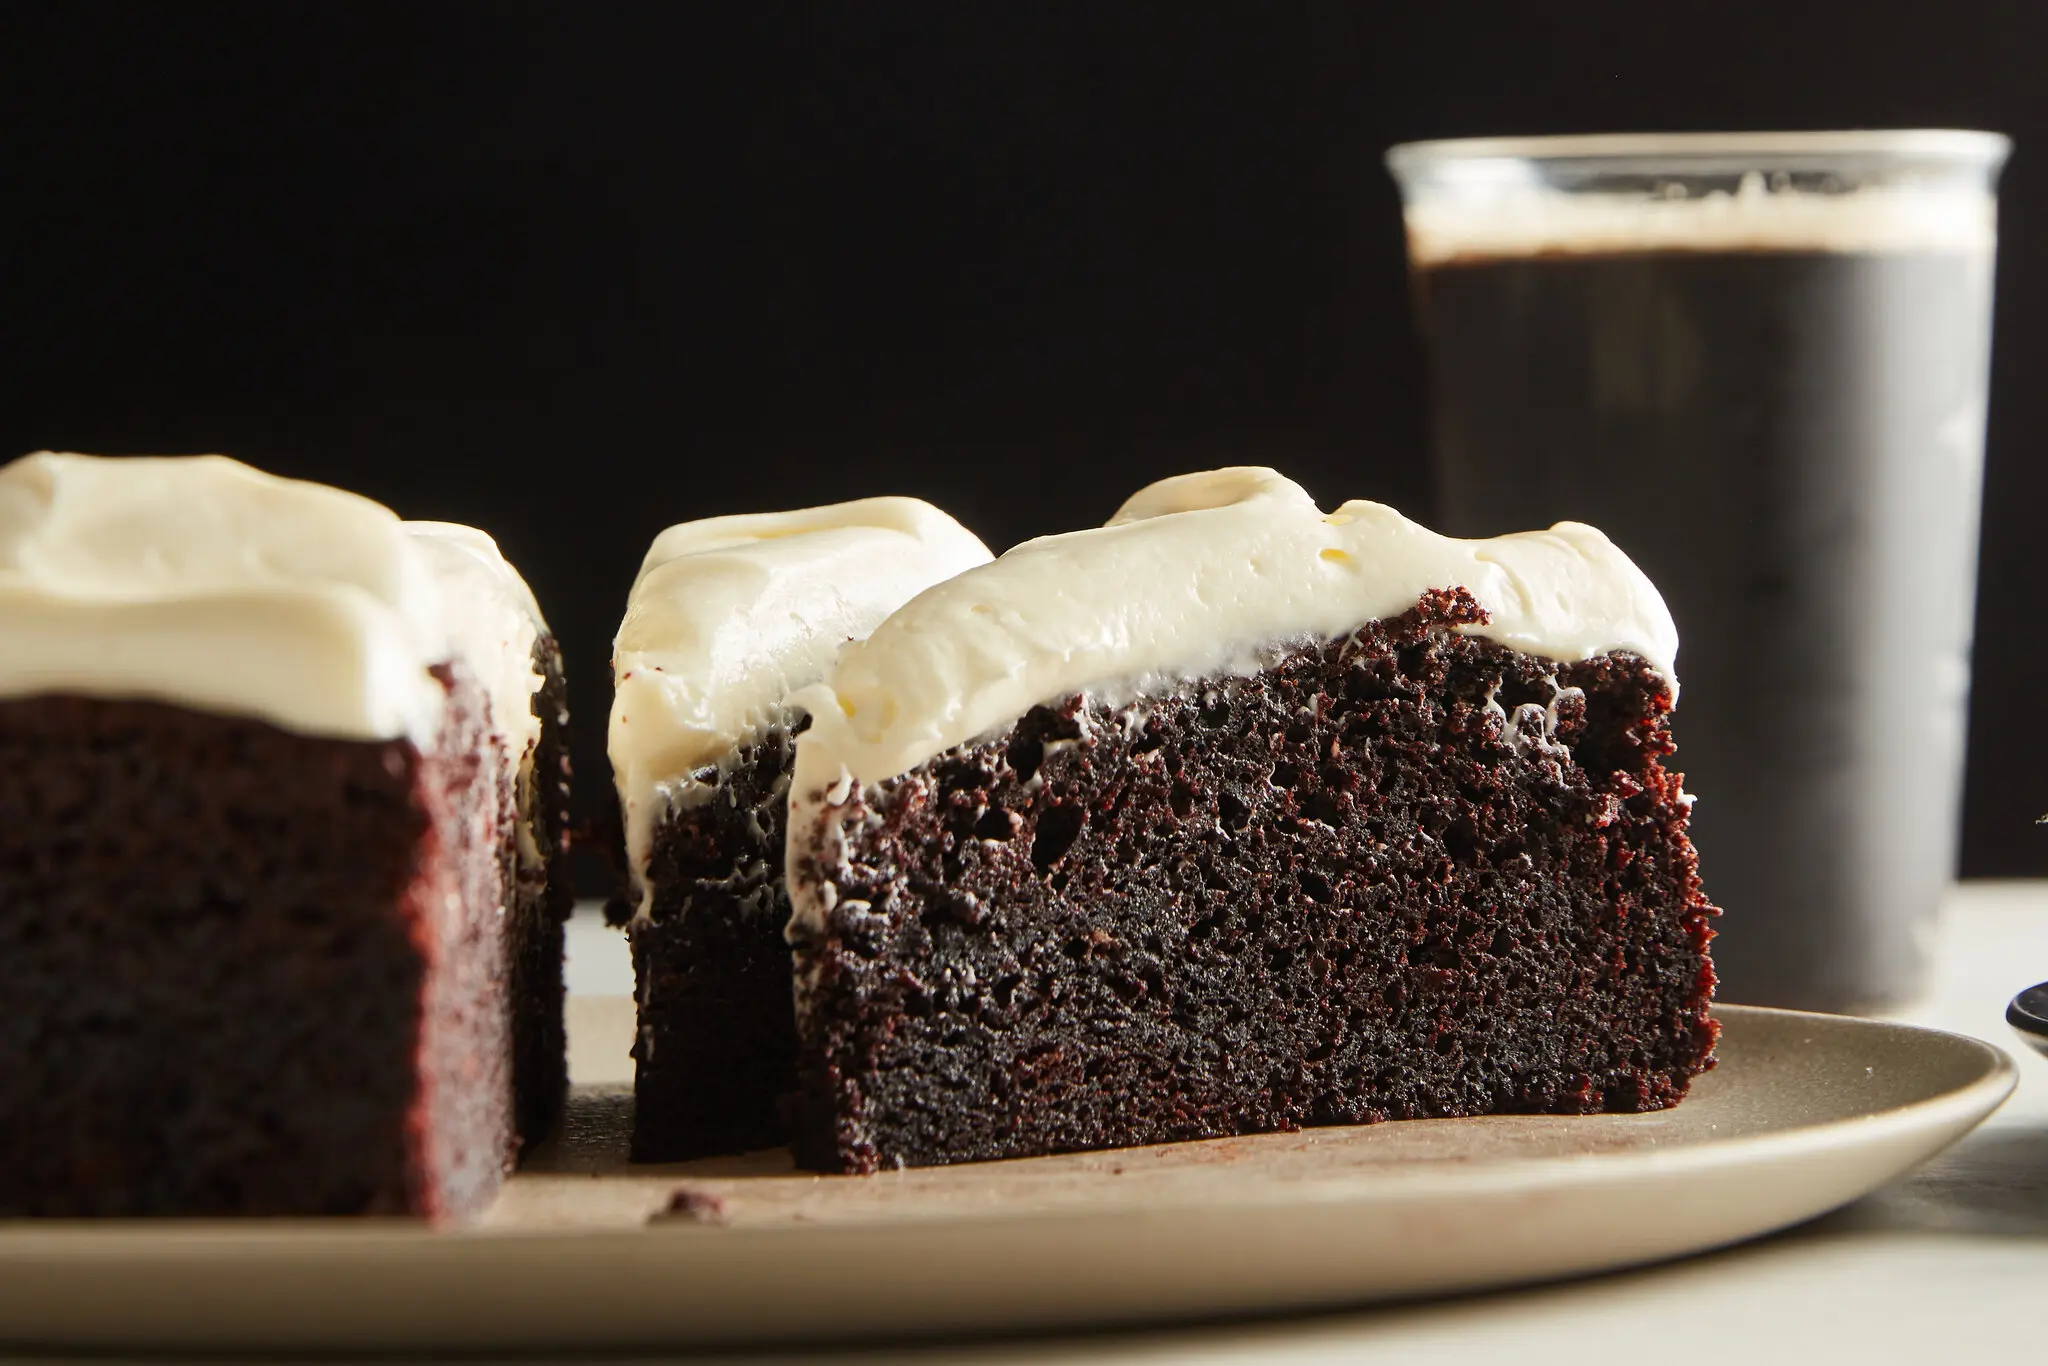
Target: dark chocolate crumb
x,y
694,1204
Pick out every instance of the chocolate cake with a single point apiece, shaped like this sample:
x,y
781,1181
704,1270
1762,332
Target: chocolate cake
x,y
726,617
1234,817
280,912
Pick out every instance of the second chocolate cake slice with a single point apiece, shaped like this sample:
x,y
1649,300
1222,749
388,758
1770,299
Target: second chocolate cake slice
x,y
727,616
1233,816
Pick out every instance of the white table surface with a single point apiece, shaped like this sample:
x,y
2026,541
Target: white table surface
x,y
1949,1264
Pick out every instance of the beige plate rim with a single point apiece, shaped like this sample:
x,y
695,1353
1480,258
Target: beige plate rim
x,y
1247,1238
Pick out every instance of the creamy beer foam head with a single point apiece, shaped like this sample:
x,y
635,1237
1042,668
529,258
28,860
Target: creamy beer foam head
x,y
1535,220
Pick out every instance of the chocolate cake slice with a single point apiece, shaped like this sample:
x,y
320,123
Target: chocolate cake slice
x,y
280,915
726,617
1234,817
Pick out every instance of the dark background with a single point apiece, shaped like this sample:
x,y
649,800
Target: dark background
x,y
574,272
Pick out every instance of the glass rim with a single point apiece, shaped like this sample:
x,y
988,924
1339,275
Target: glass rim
x,y
1677,150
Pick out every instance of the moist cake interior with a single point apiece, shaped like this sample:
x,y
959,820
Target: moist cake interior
x,y
1405,873
249,971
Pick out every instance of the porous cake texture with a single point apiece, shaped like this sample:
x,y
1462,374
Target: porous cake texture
x,y
1342,891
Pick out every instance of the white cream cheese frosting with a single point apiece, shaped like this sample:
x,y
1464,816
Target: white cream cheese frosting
x,y
1195,577
493,623
730,615
199,581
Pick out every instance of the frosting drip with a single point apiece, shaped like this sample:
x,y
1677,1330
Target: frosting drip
x,y
732,614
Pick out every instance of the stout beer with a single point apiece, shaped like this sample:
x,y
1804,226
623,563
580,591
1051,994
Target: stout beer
x,y
1772,397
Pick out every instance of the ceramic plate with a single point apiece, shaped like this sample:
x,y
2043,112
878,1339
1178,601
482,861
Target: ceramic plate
x,y
1804,1113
